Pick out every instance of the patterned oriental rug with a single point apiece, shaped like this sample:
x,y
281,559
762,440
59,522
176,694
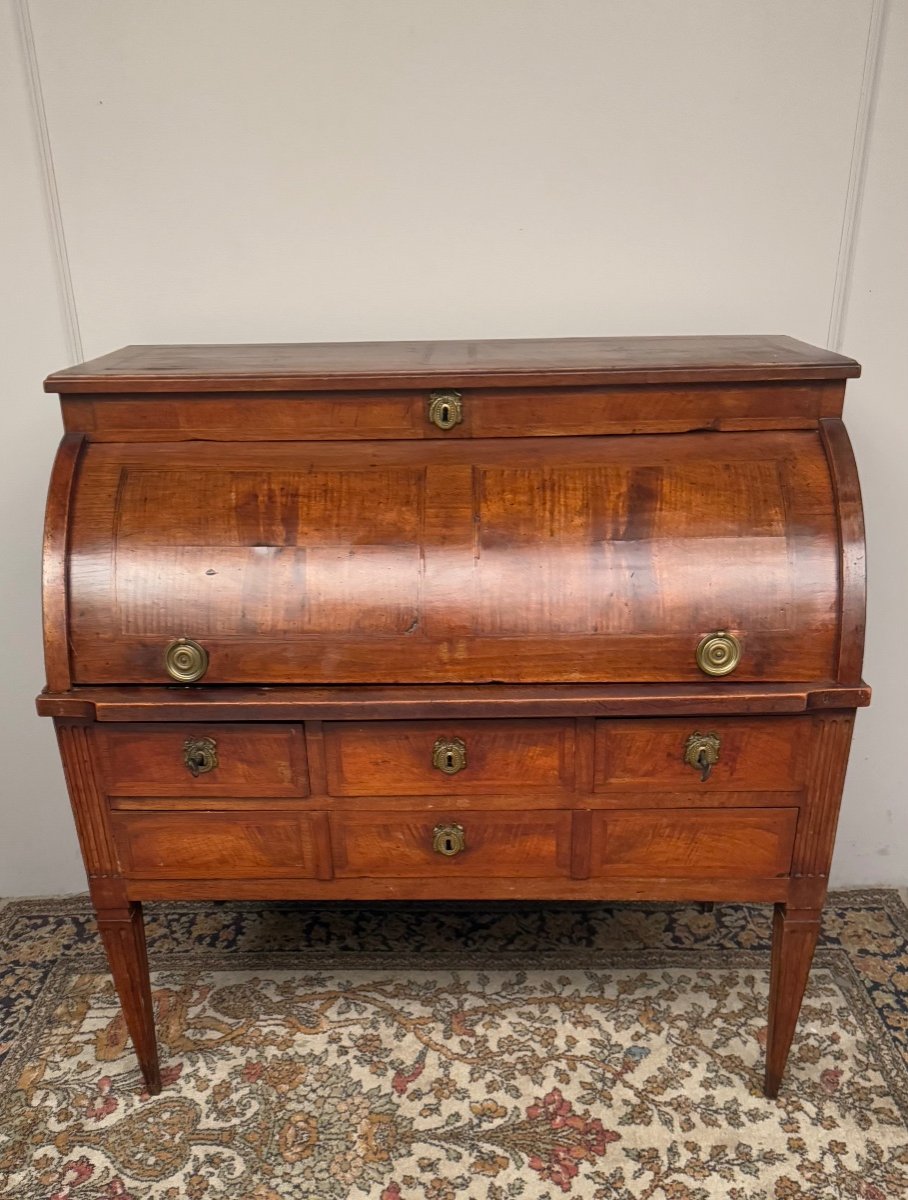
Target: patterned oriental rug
x,y
447,1052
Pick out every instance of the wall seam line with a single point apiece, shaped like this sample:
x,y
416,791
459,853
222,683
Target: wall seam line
x,y
51,192
857,173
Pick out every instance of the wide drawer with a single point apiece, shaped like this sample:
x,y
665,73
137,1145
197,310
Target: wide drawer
x,y
483,412
692,843
203,760
503,845
757,754
217,845
425,758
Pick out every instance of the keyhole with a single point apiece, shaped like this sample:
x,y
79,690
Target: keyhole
x,y
449,845
445,414
449,759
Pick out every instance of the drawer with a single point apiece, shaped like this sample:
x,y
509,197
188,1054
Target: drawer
x,y
504,845
216,845
757,754
203,760
485,412
697,842
397,758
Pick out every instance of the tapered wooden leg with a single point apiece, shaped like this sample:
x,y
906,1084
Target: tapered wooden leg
x,y
794,939
124,940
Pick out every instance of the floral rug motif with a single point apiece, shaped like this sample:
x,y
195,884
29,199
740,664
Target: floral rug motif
x,y
453,1052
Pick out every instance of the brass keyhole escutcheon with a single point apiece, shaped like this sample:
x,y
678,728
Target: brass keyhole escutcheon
x,y
449,755
200,755
445,409
701,751
185,660
718,653
448,840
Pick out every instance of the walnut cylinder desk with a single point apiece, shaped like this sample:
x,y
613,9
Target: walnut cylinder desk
x,y
575,619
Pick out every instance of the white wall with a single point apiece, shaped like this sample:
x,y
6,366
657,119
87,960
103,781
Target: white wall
x,y
873,834
330,169
38,851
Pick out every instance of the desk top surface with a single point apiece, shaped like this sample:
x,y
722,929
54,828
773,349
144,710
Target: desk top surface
x,y
534,362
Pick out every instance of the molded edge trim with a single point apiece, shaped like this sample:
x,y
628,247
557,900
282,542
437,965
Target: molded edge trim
x,y
437,702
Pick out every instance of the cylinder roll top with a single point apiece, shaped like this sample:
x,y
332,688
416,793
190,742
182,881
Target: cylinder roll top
x,y
571,559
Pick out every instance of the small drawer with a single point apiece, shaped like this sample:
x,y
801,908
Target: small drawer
x,y
203,760
456,758
693,843
757,754
502,845
216,845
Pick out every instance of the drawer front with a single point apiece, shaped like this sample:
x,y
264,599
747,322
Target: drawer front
x,y
398,758
216,845
484,412
685,843
502,845
761,754
176,760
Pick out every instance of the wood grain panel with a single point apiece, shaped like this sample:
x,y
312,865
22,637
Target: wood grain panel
x,y
716,844
758,754
54,583
487,412
394,758
497,560
253,760
500,845
215,845
850,516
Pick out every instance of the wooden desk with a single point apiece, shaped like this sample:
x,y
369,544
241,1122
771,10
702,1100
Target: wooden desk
x,y
531,619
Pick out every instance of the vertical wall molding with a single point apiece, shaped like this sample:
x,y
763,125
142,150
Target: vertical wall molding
x,y
51,192
854,195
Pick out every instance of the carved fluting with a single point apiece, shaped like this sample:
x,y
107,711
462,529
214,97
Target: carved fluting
x,y
87,799
826,777
124,940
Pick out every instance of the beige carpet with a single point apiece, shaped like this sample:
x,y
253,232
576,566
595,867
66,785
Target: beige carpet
x,y
420,1054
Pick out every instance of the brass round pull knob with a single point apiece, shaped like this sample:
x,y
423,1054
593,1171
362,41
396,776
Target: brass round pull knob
x,y
701,751
185,660
449,755
718,653
200,755
448,840
445,409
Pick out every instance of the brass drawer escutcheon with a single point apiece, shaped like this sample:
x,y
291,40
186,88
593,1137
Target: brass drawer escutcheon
x,y
200,755
185,660
448,840
449,755
718,653
701,751
445,409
